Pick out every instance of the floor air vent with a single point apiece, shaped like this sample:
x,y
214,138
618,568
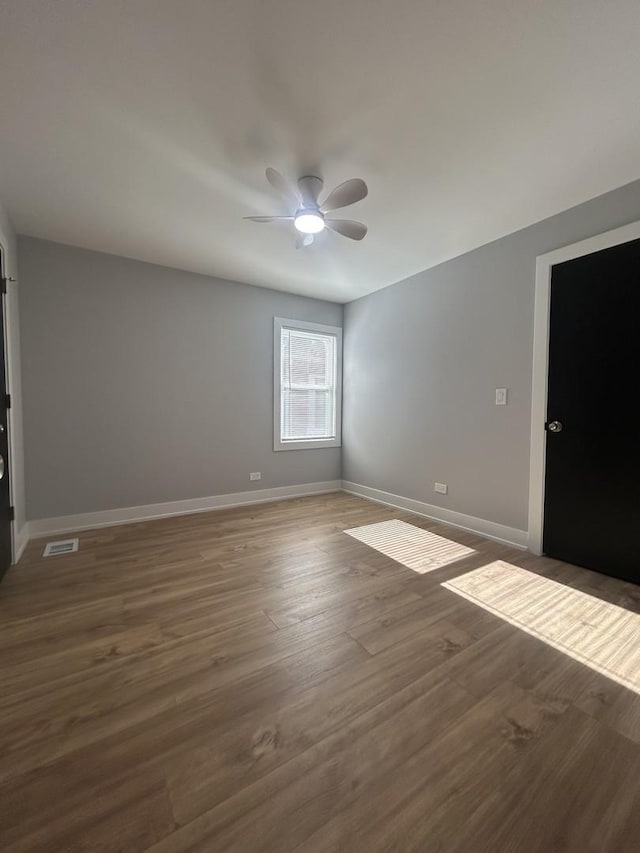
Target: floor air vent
x,y
67,546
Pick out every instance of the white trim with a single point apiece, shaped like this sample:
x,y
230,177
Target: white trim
x,y
280,323
110,517
489,529
544,263
21,541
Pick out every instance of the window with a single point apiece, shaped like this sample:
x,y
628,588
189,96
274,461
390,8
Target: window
x,y
307,385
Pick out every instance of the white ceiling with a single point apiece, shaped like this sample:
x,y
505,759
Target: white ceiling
x,y
143,127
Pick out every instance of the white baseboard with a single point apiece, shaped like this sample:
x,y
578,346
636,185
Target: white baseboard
x,y
107,518
489,529
21,542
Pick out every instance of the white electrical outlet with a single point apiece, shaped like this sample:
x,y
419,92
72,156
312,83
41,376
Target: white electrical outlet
x,y
255,476
501,396
440,488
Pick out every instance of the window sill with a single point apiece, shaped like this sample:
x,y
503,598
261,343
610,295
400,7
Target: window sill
x,y
312,444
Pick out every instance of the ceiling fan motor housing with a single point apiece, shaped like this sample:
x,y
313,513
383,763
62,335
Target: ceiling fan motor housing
x,y
310,187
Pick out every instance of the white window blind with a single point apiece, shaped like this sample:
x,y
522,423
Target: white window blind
x,y
308,389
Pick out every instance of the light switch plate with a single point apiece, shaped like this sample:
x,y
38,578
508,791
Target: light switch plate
x,y
501,396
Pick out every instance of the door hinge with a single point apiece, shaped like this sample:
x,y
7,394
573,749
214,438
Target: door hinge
x,y
3,285
12,513
7,401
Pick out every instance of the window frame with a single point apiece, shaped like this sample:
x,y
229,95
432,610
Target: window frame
x,y
280,323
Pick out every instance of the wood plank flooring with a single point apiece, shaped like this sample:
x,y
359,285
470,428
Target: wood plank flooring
x,y
256,680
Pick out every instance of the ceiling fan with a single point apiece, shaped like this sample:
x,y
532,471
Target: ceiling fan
x,y
310,217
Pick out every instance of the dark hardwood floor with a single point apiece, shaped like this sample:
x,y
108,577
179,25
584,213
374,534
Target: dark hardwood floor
x,y
256,680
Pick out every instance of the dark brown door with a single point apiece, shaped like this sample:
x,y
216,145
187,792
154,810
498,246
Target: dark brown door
x,y
5,499
592,488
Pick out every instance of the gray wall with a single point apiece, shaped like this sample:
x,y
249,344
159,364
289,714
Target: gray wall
x,y
424,356
144,384
14,381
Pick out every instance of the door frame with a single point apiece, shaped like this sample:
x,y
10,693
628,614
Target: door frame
x,y
537,458
6,342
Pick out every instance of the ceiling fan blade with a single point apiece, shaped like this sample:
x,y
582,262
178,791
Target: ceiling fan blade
x,y
347,227
282,185
345,194
303,240
269,218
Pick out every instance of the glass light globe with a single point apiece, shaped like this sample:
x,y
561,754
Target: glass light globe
x,y
309,222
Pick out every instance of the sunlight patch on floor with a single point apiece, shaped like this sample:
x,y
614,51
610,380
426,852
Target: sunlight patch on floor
x,y
412,546
601,635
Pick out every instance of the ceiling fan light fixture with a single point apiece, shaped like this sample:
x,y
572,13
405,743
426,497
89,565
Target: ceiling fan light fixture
x,y
309,222
309,216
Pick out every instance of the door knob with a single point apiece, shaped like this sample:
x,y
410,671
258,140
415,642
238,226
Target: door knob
x,y
554,426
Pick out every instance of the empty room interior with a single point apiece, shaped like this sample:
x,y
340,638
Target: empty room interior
x,y
319,506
